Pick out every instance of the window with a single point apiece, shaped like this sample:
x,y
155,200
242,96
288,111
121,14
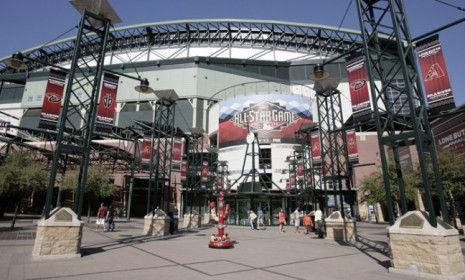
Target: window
x,y
264,158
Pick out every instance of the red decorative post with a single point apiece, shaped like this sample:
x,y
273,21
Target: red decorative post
x,y
221,240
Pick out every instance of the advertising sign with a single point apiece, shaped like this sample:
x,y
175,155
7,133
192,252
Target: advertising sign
x,y
359,86
51,105
351,141
316,147
274,118
434,72
107,103
452,139
176,154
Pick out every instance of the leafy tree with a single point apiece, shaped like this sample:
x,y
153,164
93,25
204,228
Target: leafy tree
x,y
372,186
20,175
451,168
97,184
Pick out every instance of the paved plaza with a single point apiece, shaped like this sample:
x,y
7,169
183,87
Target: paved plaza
x,y
258,254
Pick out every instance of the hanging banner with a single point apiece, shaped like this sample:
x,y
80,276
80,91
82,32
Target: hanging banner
x,y
107,103
176,154
292,181
351,141
204,172
358,86
51,105
145,150
316,148
300,169
434,72
184,167
219,182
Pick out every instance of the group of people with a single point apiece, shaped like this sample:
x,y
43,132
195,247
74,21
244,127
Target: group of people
x,y
106,218
307,221
256,220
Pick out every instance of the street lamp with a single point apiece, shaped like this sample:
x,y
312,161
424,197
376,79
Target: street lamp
x,y
162,132
330,121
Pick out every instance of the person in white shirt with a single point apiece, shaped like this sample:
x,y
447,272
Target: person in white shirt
x,y
297,220
319,223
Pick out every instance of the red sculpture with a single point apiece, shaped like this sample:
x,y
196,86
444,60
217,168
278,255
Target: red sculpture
x,y
221,240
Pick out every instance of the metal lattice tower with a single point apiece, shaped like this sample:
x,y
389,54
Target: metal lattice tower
x,y
333,148
160,162
77,117
398,101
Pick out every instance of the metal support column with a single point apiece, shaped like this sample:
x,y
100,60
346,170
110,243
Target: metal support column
x,y
398,101
77,118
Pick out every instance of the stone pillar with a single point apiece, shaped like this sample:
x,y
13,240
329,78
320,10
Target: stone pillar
x,y
206,218
419,249
191,220
157,224
148,224
59,236
340,229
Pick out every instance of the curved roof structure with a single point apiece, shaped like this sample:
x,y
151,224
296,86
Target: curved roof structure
x,y
226,38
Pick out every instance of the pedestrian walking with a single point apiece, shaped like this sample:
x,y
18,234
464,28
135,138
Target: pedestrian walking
x,y
319,223
101,215
281,220
252,219
308,223
260,217
296,219
110,220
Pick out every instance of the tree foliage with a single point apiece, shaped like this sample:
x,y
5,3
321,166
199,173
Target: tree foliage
x,y
372,187
20,175
97,184
452,170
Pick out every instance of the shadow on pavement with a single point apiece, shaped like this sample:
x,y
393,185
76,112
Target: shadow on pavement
x,y
368,246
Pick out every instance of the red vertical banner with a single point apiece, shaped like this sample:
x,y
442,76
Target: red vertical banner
x,y
107,103
434,73
316,148
176,154
219,182
204,172
51,105
351,142
292,181
300,169
145,150
358,86
184,166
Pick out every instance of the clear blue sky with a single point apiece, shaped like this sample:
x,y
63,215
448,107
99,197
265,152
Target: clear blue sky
x,y
29,23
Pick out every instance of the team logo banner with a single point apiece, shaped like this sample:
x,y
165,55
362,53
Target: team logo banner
x,y
107,103
274,118
358,84
434,73
352,151
146,150
204,172
316,148
300,169
176,154
51,105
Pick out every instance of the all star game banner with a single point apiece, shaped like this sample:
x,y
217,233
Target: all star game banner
x,y
316,147
51,105
176,154
434,73
273,117
358,85
351,141
107,103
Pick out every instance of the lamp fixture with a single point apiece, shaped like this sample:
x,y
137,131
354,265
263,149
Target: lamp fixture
x,y
144,87
16,61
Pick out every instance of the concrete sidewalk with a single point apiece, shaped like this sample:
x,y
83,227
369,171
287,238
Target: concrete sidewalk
x,y
259,254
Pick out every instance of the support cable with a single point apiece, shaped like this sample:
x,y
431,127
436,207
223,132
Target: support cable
x,y
450,5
